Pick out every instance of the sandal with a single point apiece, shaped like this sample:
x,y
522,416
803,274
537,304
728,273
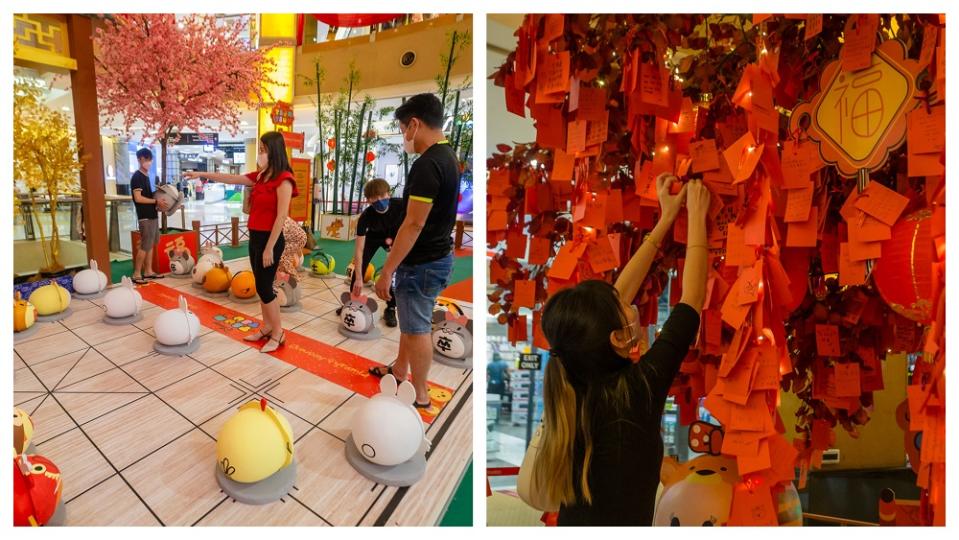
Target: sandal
x,y
138,280
378,371
419,405
260,334
153,276
270,347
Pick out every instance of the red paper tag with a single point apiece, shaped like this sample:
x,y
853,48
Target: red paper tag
x,y
813,26
539,250
804,234
859,42
827,340
882,203
742,157
847,380
798,203
704,155
553,76
927,131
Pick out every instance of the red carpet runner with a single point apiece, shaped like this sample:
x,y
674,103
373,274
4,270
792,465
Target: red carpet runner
x,y
340,367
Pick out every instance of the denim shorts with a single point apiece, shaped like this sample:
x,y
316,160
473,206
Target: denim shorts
x,y
417,287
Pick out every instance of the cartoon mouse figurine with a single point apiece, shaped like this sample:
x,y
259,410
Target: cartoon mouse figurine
x,y
387,430
181,261
357,313
452,335
287,289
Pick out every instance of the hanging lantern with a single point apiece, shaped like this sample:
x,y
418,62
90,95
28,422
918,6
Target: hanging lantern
x,y
903,274
330,165
370,156
331,143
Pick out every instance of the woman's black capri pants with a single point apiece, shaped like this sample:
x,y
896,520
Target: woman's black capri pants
x,y
264,277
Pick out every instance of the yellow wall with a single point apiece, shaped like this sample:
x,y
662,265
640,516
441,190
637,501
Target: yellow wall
x,y
880,442
379,61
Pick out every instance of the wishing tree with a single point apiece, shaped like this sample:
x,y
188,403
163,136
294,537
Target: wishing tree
x,y
46,157
178,72
821,139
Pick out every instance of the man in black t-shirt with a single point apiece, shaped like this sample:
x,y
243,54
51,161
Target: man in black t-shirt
x,y
422,254
375,229
146,209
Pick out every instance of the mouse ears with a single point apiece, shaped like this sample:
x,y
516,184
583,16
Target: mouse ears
x,y
705,438
403,392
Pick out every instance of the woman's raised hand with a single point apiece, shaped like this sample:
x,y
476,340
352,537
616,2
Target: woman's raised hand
x,y
671,204
191,174
697,198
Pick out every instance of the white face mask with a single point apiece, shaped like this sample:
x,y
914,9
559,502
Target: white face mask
x,y
262,161
408,144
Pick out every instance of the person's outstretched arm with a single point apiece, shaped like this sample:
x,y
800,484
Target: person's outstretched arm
x,y
634,273
238,179
697,248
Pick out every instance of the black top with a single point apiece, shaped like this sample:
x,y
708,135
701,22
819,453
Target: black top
x,y
142,182
378,227
434,178
628,448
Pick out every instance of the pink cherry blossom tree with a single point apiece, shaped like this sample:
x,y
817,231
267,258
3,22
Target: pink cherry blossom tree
x,y
176,73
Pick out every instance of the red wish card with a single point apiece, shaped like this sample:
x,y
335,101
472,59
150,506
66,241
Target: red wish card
x,y
859,41
562,166
516,244
754,462
847,380
515,97
798,203
804,234
517,330
539,250
927,130
592,103
850,272
598,130
539,339
553,73
882,203
524,294
742,157
827,340
654,84
704,155
576,137
737,252
813,26
601,256
565,262
553,27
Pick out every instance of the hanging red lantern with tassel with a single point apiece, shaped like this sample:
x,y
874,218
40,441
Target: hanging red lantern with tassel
x,y
903,274
331,143
330,165
370,156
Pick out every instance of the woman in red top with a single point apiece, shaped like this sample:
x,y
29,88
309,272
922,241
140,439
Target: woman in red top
x,y
273,187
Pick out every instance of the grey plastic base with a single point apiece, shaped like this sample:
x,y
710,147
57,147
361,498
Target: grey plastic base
x,y
291,309
402,475
331,275
466,363
59,517
121,321
374,333
90,296
178,350
188,275
251,300
266,491
223,294
56,316
24,334
197,286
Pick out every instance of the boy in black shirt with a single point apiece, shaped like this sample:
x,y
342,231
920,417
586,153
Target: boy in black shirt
x,y
146,208
376,229
422,255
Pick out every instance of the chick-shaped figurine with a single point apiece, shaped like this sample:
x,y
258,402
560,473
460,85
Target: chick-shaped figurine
x,y
254,444
37,488
50,299
387,429
24,314
22,431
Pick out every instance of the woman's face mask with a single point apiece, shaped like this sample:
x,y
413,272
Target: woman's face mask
x,y
633,331
381,205
261,160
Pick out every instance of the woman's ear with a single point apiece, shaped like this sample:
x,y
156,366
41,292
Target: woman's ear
x,y
619,339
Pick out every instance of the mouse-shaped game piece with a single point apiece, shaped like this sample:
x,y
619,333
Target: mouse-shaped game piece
x,y
452,339
287,289
123,303
177,331
356,318
171,195
90,282
181,262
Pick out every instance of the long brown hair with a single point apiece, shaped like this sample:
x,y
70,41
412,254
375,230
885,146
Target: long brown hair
x,y
577,323
277,162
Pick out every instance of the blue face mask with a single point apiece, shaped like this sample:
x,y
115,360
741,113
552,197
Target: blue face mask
x,y
381,205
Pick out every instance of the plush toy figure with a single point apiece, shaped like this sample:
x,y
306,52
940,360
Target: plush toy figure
x,y
90,280
24,314
172,196
50,299
22,431
202,267
287,289
254,443
217,279
322,264
452,335
123,301
37,489
700,491
177,326
295,238
387,430
209,252
357,314
243,284
181,262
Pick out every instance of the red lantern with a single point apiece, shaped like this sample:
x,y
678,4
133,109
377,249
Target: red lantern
x,y
904,273
330,165
370,156
331,143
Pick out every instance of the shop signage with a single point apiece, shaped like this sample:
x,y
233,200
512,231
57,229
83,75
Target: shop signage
x,y
198,139
530,361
